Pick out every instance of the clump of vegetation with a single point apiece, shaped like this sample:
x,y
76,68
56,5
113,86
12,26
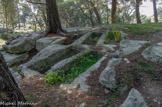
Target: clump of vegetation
x,y
110,102
55,77
128,80
68,76
31,97
115,34
147,44
143,66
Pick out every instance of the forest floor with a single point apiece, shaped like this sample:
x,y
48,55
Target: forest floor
x,y
148,83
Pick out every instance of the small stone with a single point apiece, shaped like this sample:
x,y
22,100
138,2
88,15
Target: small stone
x,y
106,91
82,105
126,60
155,100
69,92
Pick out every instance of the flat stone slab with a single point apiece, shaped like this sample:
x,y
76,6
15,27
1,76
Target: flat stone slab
x,y
14,58
17,77
134,99
66,63
22,44
153,53
129,46
28,73
107,77
49,56
46,41
82,38
82,78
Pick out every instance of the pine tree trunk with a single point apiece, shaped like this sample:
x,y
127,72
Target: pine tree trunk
x,y
155,11
53,21
137,4
9,90
113,11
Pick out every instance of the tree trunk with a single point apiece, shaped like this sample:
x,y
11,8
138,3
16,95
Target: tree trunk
x,y
9,90
155,11
107,13
53,21
18,14
6,18
91,18
44,16
113,11
137,4
95,10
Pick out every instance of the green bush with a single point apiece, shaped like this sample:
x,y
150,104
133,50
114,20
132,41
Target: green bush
x,y
54,77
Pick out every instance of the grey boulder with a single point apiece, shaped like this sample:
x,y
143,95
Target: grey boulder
x,y
14,58
134,99
21,44
46,41
129,46
153,53
107,77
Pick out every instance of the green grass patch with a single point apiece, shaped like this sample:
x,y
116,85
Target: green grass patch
x,y
143,66
141,29
31,97
83,63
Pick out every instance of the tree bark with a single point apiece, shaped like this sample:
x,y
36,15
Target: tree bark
x,y
95,10
155,11
53,21
6,18
9,90
113,11
137,4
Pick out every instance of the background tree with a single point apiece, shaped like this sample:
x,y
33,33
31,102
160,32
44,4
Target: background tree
x,y
113,10
137,7
155,11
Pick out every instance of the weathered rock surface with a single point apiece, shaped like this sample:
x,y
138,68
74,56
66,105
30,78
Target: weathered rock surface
x,y
134,99
123,34
14,58
130,46
17,77
28,73
21,44
44,42
107,77
82,39
153,53
48,57
66,63
82,78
